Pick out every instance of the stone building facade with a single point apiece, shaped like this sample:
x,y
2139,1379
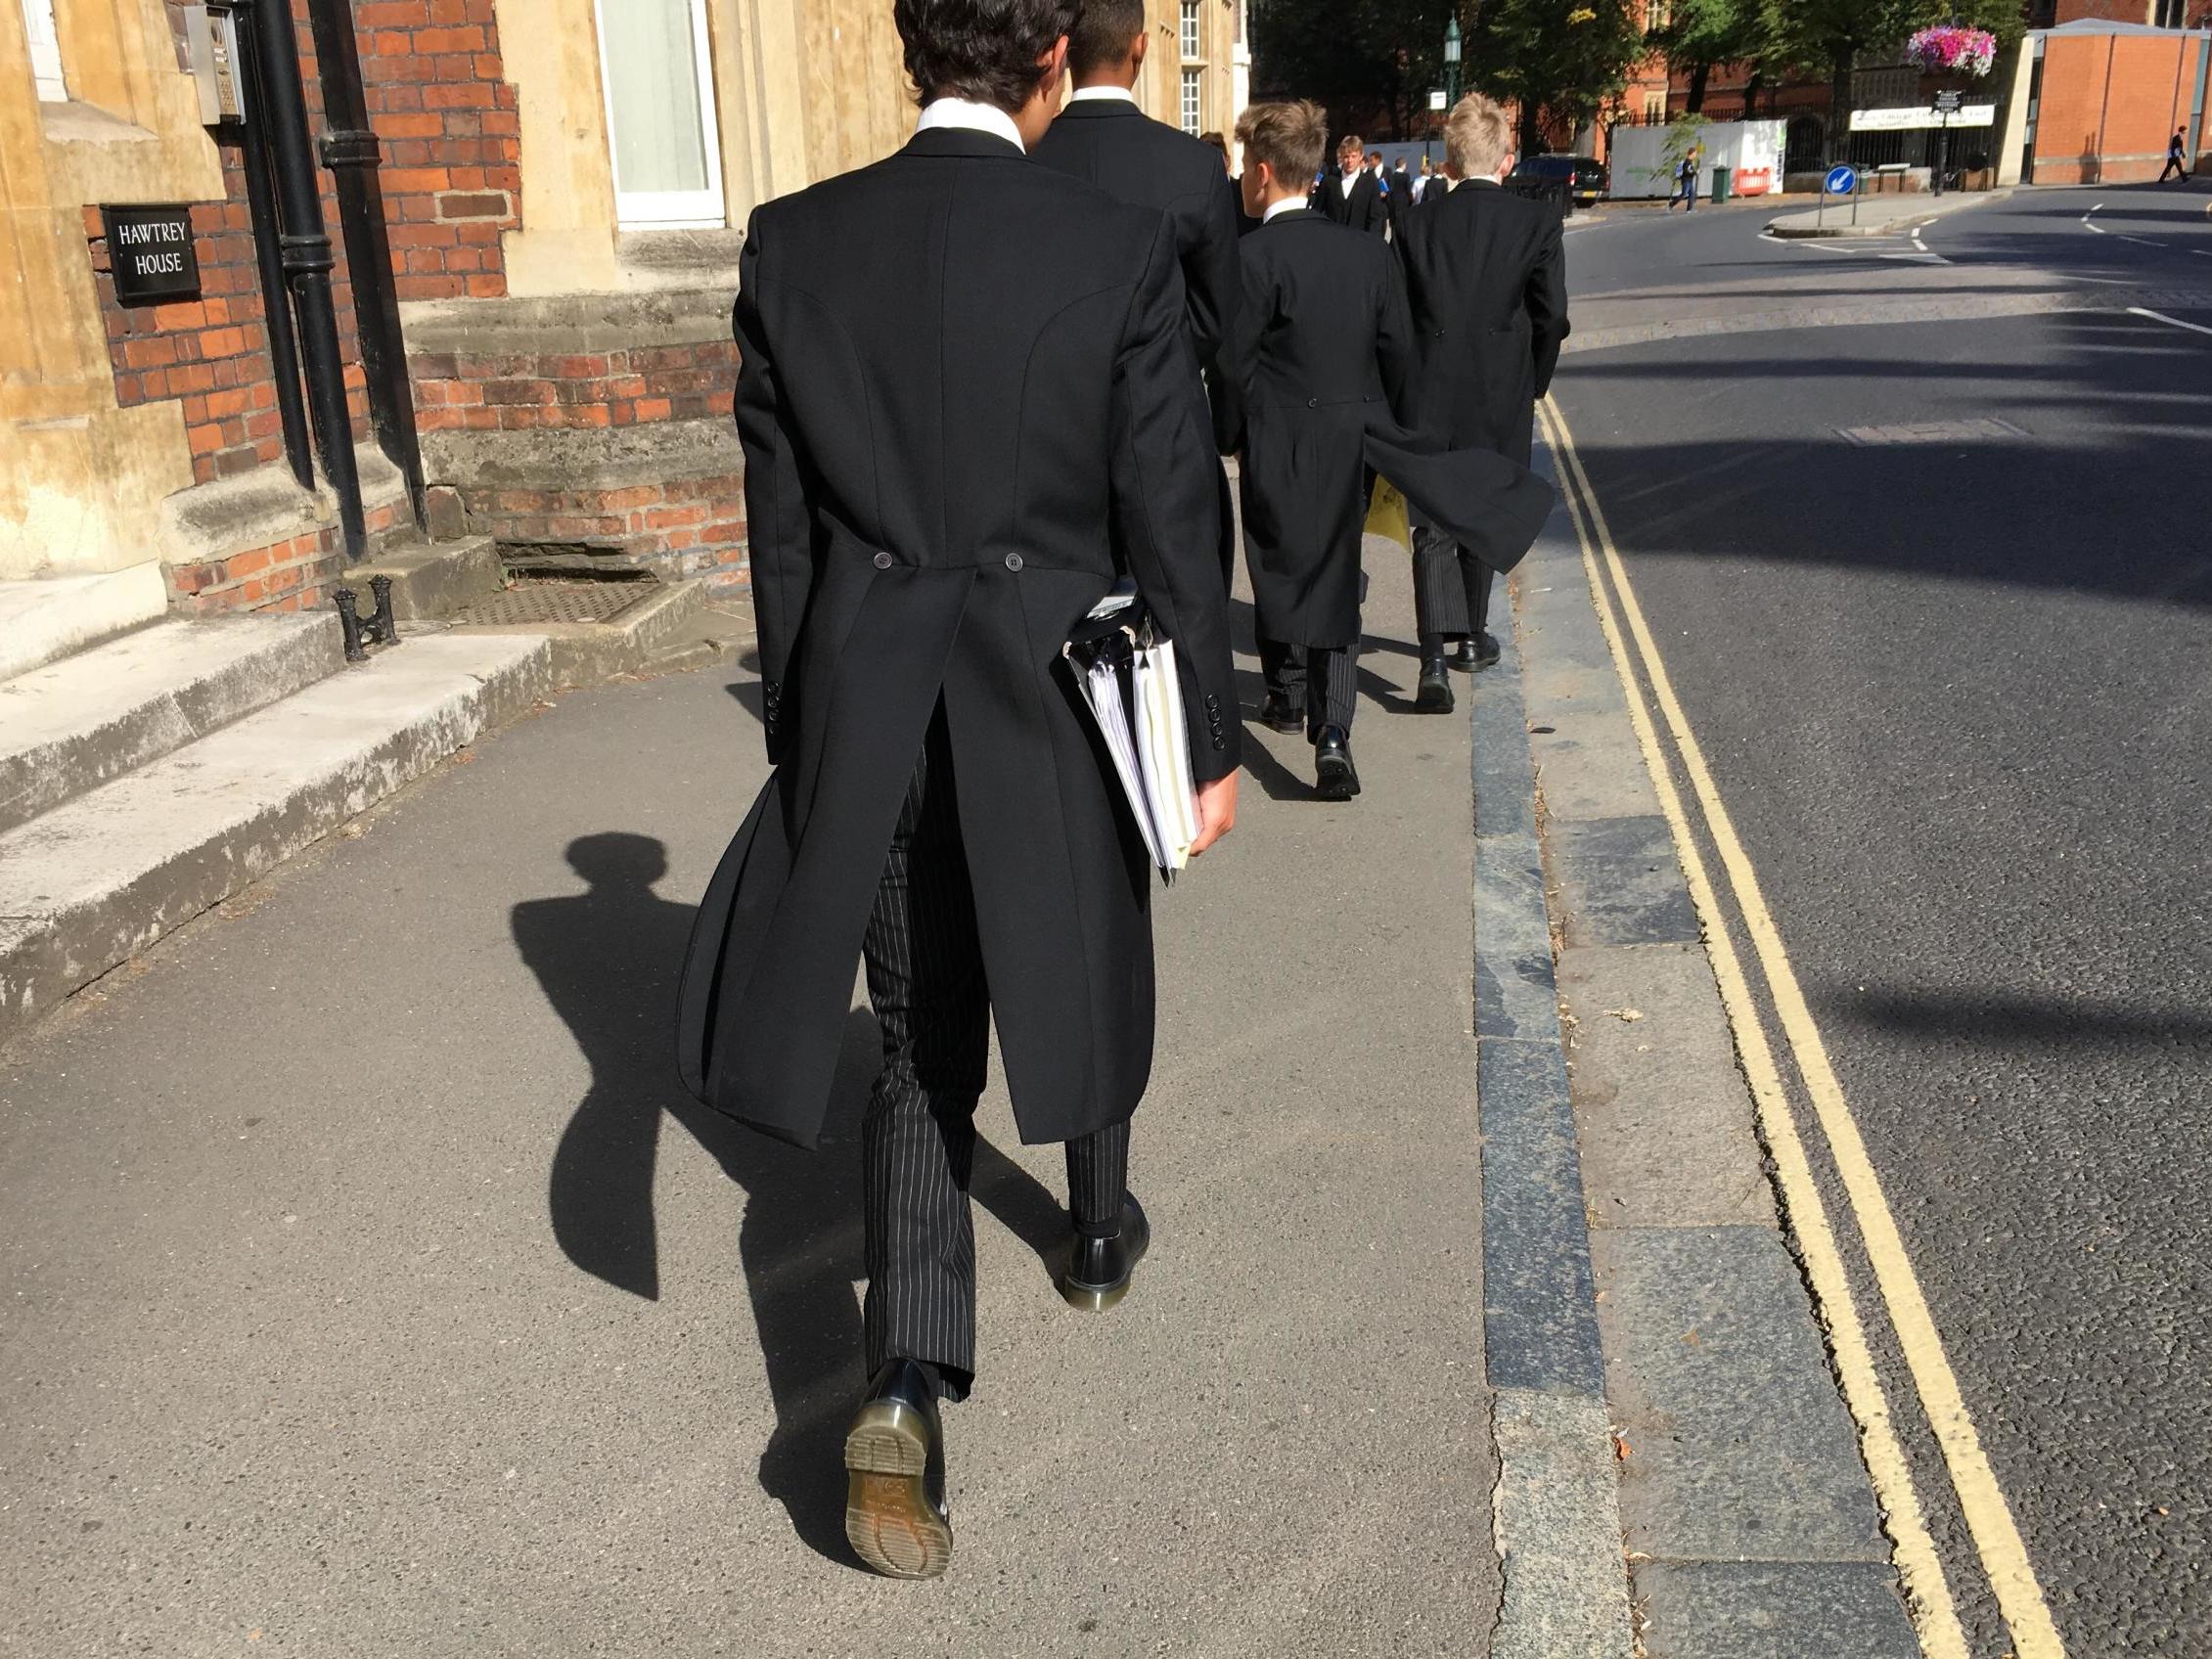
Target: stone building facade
x,y
567,185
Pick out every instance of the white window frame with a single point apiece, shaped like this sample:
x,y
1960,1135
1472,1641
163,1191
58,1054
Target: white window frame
x,y
1191,36
669,209
1193,107
45,52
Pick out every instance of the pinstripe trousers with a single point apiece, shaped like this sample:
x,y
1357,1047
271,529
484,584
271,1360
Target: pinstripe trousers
x,y
1324,679
1451,588
918,1141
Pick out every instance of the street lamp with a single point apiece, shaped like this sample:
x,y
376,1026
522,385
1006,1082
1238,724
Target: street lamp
x,y
1452,60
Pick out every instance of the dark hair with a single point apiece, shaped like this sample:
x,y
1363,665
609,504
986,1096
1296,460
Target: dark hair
x,y
986,50
1101,38
1215,140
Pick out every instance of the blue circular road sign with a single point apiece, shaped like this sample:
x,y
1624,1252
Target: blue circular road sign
x,y
1841,181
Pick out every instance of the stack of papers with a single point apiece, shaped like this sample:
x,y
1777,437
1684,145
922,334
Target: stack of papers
x,y
1127,676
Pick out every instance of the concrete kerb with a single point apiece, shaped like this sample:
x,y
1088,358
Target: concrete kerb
x,y
1555,1512
1893,215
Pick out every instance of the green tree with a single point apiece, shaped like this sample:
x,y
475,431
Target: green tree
x,y
1563,60
1384,54
1702,35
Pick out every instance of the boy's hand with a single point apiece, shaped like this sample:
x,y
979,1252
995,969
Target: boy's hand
x,y
1217,812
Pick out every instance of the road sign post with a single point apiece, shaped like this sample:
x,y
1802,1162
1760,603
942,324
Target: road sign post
x,y
1947,105
1841,180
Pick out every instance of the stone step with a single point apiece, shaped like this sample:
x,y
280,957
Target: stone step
x,y
587,652
431,580
90,884
49,617
72,724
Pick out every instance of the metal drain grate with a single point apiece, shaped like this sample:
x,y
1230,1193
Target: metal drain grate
x,y
542,599
1930,431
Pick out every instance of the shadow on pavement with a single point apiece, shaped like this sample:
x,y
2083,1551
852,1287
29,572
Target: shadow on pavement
x,y
609,961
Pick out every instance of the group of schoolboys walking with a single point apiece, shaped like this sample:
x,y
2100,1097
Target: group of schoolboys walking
x,y
981,383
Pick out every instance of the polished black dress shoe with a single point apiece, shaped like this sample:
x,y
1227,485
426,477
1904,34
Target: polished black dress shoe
x,y
1099,1269
895,1514
1481,651
1333,776
1435,695
1278,713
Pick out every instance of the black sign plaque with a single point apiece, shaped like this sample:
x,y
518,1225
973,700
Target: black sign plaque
x,y
150,253
1949,103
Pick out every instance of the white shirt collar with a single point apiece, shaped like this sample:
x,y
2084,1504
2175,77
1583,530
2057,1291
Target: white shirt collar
x,y
968,113
1085,93
1288,205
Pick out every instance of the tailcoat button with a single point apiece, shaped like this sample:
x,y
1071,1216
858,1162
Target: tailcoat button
x,y
1014,562
883,562
1313,403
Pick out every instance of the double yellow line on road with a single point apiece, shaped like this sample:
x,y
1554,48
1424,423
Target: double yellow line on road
x,y
1988,1516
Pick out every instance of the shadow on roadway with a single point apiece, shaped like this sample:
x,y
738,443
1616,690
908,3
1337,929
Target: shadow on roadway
x,y
608,959
2102,496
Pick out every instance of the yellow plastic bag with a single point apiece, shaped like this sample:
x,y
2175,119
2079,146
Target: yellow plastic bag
x,y
1386,515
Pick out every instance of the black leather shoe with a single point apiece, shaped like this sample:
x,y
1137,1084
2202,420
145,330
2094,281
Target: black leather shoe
x,y
1334,774
1279,714
1434,695
1481,651
1099,1269
895,1514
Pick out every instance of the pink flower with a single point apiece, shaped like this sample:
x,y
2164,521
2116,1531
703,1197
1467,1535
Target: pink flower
x,y
1950,49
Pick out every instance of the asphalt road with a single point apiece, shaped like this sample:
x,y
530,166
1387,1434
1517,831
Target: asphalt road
x,y
1936,595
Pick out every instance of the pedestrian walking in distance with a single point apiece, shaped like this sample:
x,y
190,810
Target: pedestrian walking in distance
x,y
1325,351
1686,185
1349,195
2177,158
968,406
1102,138
1486,284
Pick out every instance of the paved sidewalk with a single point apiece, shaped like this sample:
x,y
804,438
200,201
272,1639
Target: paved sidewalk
x,y
1885,214
370,1289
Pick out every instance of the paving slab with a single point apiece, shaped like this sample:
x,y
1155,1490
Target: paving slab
x,y
1772,1610
1740,1448
1666,1128
1619,881
371,1288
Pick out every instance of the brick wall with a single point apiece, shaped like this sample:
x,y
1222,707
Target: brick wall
x,y
2110,105
298,573
691,524
451,146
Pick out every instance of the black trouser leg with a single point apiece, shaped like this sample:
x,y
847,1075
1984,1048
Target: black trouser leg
x,y
1284,669
918,1141
1478,577
1098,1180
1333,684
1441,593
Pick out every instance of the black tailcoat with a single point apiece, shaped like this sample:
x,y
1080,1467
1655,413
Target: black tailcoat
x,y
1112,144
967,403
1358,204
1487,286
1327,351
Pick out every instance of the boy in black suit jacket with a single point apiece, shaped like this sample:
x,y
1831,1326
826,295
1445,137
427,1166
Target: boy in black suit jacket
x,y
1486,285
1349,195
1324,348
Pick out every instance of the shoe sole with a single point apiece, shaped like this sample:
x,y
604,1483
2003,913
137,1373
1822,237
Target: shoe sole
x,y
1433,700
1335,784
1094,1299
889,1520
1285,726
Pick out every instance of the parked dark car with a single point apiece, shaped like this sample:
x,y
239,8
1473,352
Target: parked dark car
x,y
1584,178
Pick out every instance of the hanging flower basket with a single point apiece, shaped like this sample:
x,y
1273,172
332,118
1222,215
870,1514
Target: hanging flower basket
x,y
1947,49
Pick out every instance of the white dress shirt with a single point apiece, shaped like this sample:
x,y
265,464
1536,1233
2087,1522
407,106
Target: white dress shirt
x,y
1084,94
1288,205
974,116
